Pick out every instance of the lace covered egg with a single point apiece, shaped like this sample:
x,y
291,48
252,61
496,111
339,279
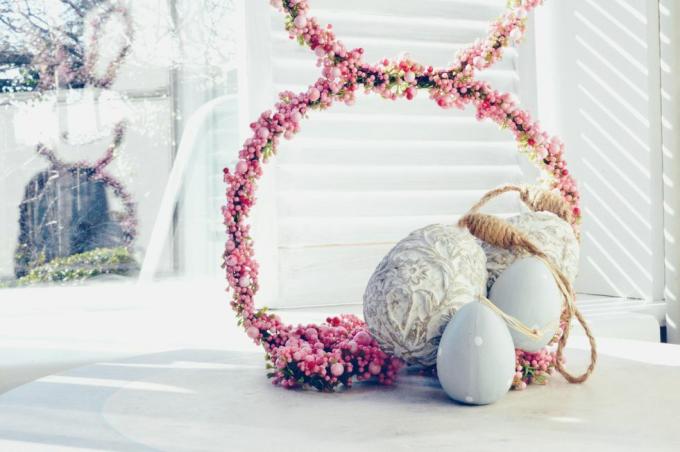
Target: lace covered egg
x,y
418,287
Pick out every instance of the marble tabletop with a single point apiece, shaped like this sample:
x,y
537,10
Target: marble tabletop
x,y
218,400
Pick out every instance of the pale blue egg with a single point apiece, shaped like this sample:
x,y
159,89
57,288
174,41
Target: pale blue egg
x,y
527,291
476,356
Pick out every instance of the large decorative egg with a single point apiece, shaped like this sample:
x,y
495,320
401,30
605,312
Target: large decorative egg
x,y
476,357
418,287
554,236
527,291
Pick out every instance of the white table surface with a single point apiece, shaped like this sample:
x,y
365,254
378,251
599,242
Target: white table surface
x,y
44,331
200,400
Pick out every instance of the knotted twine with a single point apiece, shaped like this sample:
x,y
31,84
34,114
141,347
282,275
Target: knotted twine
x,y
501,234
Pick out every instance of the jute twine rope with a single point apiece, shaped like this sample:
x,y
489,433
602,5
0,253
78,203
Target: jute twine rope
x,y
502,234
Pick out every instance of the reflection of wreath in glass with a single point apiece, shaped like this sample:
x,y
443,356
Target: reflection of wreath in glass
x,y
98,23
28,268
324,356
61,66
96,171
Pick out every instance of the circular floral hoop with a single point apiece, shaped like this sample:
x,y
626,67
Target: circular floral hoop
x,y
341,350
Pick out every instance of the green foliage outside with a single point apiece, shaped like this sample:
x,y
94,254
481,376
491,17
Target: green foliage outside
x,y
80,267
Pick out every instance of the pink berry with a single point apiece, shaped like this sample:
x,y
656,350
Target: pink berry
x,y
363,338
314,94
337,369
300,21
263,133
516,34
244,281
253,332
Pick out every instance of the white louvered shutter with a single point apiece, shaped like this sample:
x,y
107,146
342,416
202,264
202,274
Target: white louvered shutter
x,y
358,179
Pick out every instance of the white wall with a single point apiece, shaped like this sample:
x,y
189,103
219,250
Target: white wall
x,y
670,85
599,88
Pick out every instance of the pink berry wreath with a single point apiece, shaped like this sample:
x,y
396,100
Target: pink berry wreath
x,y
341,350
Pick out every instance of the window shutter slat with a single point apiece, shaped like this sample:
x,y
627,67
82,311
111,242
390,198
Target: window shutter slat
x,y
356,180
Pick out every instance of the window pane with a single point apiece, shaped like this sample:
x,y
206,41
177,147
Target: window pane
x,y
95,100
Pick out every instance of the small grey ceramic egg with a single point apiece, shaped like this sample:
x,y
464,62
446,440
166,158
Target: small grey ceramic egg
x,y
527,291
554,236
476,356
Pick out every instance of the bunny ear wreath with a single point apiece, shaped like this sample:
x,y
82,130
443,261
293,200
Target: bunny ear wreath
x,y
341,350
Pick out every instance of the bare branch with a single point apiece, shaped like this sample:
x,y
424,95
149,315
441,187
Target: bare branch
x,y
77,9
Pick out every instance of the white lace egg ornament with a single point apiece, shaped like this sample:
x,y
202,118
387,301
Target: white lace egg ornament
x,y
419,286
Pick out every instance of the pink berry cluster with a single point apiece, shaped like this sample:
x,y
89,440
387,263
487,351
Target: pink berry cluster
x,y
533,368
537,367
340,350
324,356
